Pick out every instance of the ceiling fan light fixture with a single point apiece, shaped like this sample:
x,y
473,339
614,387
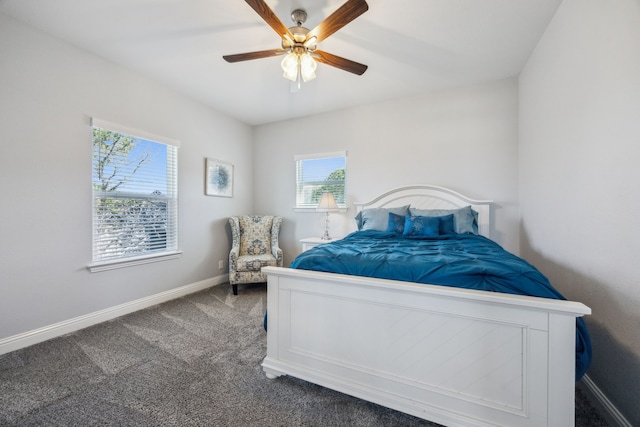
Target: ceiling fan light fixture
x,y
289,66
295,66
308,67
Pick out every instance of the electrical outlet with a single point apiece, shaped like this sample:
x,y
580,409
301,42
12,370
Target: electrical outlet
x,y
220,265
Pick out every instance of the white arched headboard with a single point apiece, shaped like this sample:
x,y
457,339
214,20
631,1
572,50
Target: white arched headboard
x,y
423,196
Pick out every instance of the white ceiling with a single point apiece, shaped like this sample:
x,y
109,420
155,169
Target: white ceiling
x,y
410,46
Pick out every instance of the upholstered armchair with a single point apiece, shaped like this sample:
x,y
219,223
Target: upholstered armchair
x,y
254,245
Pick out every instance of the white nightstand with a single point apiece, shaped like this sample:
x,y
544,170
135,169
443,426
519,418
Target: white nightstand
x,y
309,242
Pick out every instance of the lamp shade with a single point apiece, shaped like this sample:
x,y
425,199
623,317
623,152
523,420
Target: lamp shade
x,y
327,203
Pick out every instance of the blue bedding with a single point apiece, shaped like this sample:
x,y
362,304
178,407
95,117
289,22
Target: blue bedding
x,y
461,260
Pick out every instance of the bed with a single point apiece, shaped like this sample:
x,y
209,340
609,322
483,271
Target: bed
x,y
455,356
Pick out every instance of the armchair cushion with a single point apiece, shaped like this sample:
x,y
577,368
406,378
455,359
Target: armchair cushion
x,y
255,235
255,262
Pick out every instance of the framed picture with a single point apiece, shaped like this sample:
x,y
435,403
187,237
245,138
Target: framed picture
x,y
218,178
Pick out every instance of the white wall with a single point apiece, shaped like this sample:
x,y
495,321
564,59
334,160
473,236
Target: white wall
x,y
48,92
579,156
464,139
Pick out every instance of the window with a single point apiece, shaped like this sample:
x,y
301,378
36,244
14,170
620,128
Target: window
x,y
318,173
135,196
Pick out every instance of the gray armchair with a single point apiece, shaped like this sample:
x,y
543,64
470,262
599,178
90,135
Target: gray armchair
x,y
254,245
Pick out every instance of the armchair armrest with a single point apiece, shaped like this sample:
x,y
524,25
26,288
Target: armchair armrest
x,y
233,255
275,248
235,241
277,253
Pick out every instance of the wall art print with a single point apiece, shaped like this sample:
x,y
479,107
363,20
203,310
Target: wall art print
x,y
218,178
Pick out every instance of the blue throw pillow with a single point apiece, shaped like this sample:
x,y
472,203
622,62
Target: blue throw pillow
x,y
378,218
421,226
465,219
396,223
447,226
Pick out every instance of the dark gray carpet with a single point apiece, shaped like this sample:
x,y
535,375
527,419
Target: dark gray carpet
x,y
194,361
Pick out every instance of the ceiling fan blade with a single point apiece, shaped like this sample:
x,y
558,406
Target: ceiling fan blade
x,y
269,17
253,55
339,62
338,19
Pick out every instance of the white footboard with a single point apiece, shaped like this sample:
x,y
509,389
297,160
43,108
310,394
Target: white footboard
x,y
453,356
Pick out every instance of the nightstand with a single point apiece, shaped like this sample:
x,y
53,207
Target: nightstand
x,y
309,242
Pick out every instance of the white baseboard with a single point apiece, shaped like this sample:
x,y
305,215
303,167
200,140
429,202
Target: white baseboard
x,y
35,336
614,417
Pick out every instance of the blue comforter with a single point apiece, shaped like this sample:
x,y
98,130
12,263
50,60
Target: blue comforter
x,y
461,260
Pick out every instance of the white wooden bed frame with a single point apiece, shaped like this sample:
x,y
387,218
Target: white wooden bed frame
x,y
453,356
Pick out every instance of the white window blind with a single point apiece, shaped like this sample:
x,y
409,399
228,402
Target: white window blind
x,y
318,173
135,193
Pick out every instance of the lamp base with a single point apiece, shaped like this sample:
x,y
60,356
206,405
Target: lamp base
x,y
326,228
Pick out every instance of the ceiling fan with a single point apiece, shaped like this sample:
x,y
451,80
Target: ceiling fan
x,y
299,43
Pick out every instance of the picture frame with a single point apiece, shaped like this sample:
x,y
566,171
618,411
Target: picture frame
x,y
218,178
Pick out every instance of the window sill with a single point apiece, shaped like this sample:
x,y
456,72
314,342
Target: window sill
x,y
130,262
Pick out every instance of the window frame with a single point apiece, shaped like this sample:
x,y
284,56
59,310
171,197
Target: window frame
x,y
172,252
318,156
